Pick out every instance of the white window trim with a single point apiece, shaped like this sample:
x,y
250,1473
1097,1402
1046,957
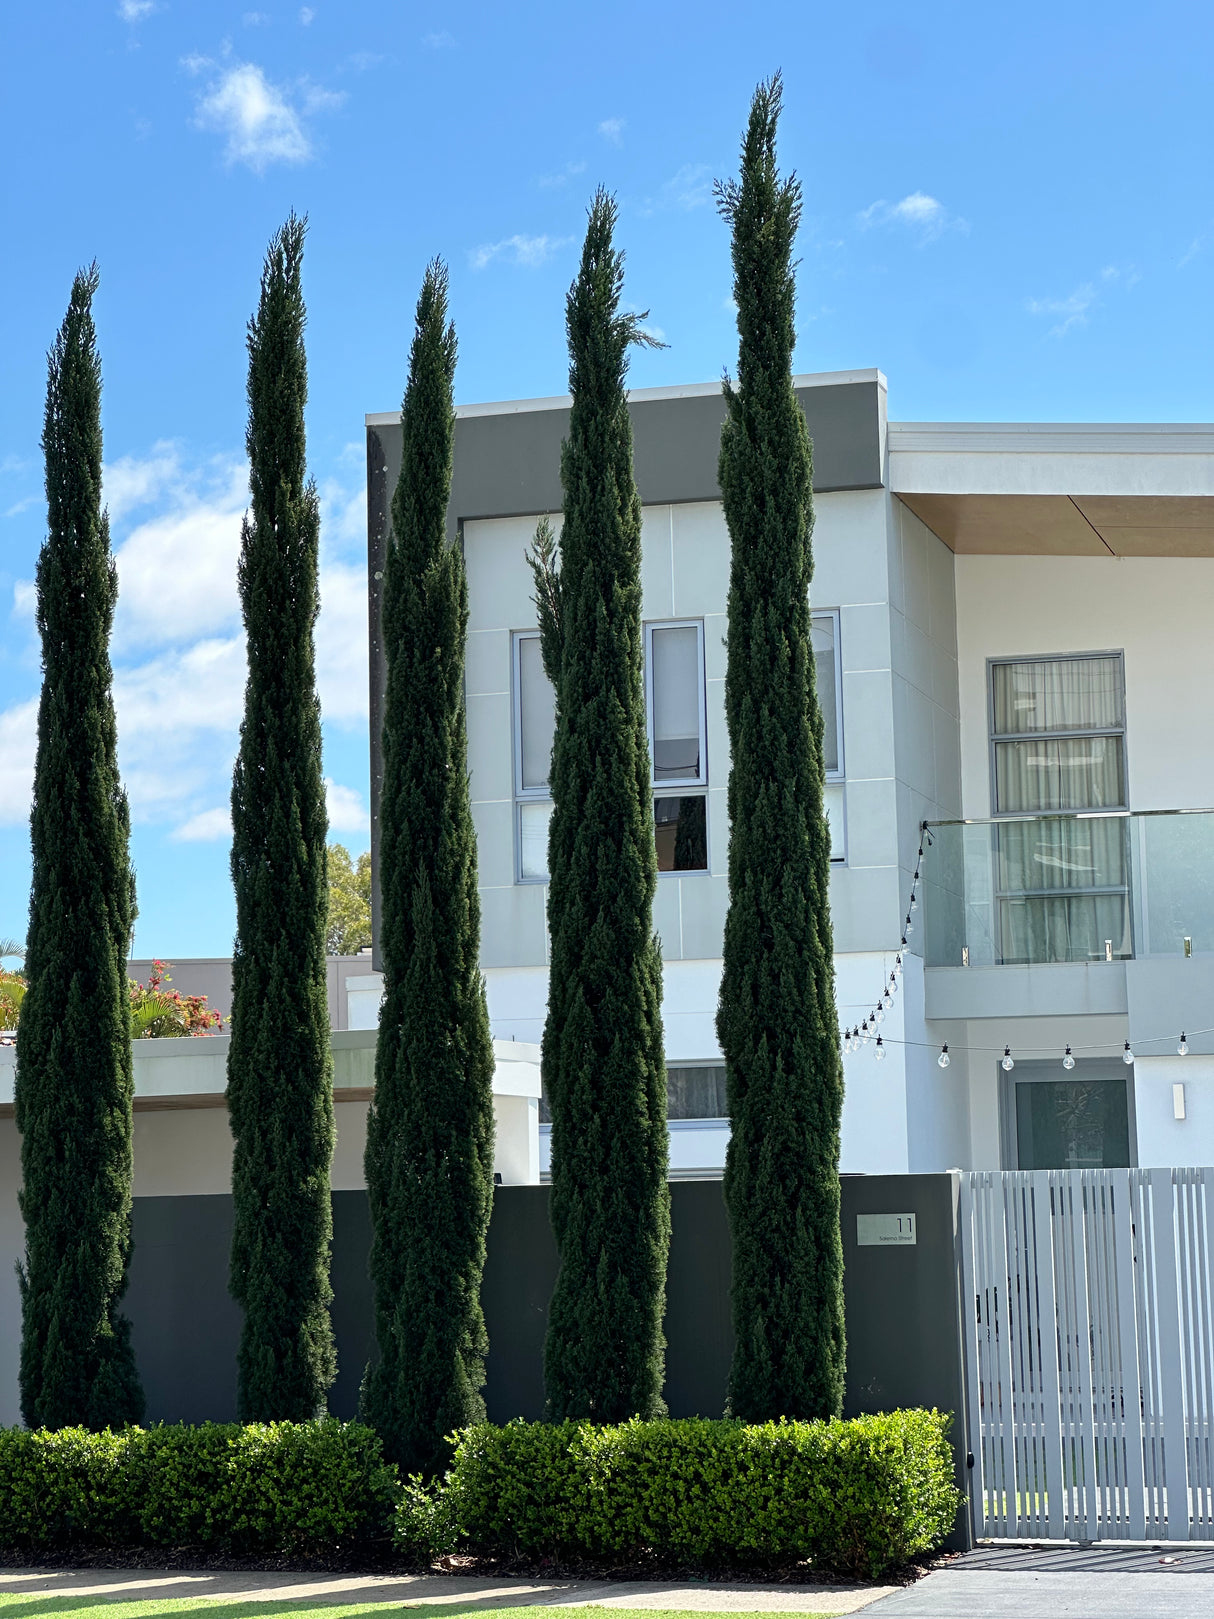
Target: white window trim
x,y
839,774
668,788
521,795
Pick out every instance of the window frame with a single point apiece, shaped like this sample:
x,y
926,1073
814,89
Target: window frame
x,y
1038,1071
840,772
521,795
684,787
995,737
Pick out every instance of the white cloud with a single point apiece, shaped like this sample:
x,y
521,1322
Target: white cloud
x,y
22,505
256,19
341,643
925,215
258,120
134,481
441,41
1071,310
208,826
530,251
135,10
177,570
305,16
691,187
18,745
25,599
612,129
562,177
343,516
347,812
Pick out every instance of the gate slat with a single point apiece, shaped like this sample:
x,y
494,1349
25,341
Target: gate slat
x,y
1170,1391
1131,1377
1051,1413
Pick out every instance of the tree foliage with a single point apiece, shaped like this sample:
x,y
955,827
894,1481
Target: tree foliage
x,y
74,1078
603,1065
348,924
429,1159
280,1095
777,1020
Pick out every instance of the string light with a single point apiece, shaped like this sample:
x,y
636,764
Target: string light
x,y
879,1053
1068,1062
879,1014
1007,1062
1127,1056
1182,1050
944,1059
864,1032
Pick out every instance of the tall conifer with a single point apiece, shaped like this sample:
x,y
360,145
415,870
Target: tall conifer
x,y
280,1092
777,1021
603,1064
74,1084
429,1153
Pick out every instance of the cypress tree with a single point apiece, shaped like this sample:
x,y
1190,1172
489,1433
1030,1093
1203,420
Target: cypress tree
x,y
429,1158
280,1088
74,1083
602,1057
777,1021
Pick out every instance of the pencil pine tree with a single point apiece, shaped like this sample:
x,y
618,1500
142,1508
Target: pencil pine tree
x,y
280,1089
74,1082
603,1063
777,1021
429,1157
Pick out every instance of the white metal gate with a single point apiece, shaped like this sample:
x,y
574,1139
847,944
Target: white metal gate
x,y
1090,1353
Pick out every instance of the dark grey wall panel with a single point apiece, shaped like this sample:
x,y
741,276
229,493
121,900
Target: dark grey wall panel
x,y
903,1309
185,1327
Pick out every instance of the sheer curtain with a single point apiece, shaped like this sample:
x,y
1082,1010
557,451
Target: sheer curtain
x,y
1062,883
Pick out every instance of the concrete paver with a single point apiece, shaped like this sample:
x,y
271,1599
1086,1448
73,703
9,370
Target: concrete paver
x,y
132,1585
1098,1582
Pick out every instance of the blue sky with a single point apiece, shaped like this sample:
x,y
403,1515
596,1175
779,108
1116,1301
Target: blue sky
x,y
1009,210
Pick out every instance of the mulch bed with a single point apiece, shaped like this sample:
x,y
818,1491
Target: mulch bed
x,y
384,1558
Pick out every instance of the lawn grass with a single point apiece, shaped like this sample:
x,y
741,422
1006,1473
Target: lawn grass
x,y
29,1605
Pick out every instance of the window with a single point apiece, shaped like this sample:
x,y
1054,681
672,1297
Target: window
x,y
678,755
534,723
1080,1120
824,630
691,1093
1058,763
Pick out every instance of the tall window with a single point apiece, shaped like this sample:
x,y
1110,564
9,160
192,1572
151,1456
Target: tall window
x,y
534,723
678,754
1058,755
825,638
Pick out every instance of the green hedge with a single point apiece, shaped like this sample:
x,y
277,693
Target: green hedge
x,y
267,1487
862,1496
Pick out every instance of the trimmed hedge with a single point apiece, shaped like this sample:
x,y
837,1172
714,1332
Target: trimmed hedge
x,y
271,1487
861,1496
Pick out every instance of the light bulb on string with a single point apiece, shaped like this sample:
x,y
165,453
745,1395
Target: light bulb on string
x,y
944,1059
879,1014
910,926
914,904
898,965
864,1032
1127,1056
879,1053
1007,1062
1182,1050
1068,1062
846,1042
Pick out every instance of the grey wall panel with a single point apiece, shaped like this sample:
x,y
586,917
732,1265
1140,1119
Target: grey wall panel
x,y
184,1325
903,1321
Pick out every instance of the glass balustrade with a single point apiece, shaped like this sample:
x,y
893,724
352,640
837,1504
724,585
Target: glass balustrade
x,y
1055,888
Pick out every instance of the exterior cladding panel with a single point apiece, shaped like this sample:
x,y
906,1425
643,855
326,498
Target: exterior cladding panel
x,y
507,464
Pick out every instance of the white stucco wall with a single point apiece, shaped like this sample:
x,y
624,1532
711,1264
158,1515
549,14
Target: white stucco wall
x,y
1152,608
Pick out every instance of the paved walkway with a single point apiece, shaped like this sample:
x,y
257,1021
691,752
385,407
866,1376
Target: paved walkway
x,y
1103,1582
133,1585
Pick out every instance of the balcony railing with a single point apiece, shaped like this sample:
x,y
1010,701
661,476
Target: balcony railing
x,y
1086,887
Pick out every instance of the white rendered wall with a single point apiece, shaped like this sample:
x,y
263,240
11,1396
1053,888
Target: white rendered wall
x,y
1164,1139
1153,608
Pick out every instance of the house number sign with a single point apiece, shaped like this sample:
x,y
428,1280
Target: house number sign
x,y
885,1230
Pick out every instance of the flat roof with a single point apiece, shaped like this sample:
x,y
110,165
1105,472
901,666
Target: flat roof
x,y
690,390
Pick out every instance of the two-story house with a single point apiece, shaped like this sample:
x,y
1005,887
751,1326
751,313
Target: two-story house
x,y
1007,627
